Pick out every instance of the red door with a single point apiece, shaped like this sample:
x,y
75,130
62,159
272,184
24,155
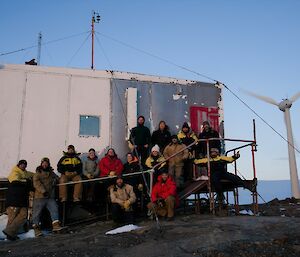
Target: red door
x,y
198,114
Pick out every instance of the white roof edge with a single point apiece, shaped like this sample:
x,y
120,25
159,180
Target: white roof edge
x,y
98,73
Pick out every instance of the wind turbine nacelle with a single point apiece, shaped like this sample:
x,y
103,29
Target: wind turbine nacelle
x,y
285,104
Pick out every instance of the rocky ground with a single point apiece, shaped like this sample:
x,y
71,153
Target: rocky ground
x,y
276,232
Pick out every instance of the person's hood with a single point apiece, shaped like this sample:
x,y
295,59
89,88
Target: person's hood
x,y
71,155
159,179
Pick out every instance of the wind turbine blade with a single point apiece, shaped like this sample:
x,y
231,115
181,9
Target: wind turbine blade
x,y
295,97
263,98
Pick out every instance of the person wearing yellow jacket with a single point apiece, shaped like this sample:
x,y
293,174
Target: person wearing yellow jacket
x,y
20,184
218,172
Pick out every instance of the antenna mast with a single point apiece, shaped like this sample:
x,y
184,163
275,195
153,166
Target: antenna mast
x,y
95,19
39,48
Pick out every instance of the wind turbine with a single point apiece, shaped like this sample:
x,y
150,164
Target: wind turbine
x,y
285,106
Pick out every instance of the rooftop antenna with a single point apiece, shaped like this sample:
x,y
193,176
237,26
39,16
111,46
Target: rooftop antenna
x,y
285,106
95,19
39,48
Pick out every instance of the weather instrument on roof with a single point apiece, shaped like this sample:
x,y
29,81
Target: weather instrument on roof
x,y
285,106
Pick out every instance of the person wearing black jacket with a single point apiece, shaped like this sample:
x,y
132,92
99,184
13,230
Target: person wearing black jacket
x,y
70,167
140,137
20,184
161,136
208,132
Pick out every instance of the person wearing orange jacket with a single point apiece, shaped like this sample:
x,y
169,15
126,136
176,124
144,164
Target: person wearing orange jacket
x,y
164,197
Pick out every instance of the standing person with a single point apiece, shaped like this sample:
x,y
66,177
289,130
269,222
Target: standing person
x,y
90,171
110,164
70,167
187,137
161,136
20,184
122,197
218,172
154,159
164,197
176,163
44,182
208,132
140,137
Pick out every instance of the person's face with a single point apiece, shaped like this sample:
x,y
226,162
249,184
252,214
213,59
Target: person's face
x,y
111,153
162,125
154,153
22,166
141,121
129,157
164,176
185,130
213,154
174,140
92,154
205,126
119,182
45,165
71,150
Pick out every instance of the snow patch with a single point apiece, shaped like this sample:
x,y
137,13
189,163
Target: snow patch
x,y
123,229
247,212
3,222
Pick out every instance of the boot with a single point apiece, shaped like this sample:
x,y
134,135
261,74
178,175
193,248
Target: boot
x,y
56,226
37,230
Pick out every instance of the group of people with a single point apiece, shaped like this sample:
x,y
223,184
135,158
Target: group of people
x,y
170,159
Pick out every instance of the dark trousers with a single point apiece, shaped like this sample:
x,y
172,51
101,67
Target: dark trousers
x,y
119,215
217,176
143,153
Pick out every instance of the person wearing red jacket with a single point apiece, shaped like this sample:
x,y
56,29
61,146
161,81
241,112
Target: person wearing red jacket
x,y
164,197
110,164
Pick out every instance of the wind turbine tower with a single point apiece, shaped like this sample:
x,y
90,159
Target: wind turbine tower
x,y
285,106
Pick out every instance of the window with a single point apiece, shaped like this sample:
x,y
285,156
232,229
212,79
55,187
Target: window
x,y
89,125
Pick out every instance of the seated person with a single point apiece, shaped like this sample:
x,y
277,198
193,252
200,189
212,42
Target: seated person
x,y
218,172
70,167
154,159
90,171
44,183
164,197
132,166
122,197
110,164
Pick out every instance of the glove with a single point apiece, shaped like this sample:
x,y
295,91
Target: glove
x,y
140,187
160,202
112,173
46,194
90,176
127,205
237,155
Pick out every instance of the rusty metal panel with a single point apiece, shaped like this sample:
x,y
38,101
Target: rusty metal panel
x,y
157,101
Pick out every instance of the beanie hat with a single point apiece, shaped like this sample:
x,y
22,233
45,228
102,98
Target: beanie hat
x,y
185,125
205,122
45,159
174,136
155,148
216,150
22,162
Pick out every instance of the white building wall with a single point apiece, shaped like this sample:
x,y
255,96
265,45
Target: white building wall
x,y
12,85
45,118
89,96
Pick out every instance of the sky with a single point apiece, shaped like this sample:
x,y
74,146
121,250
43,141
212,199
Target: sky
x,y
248,45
